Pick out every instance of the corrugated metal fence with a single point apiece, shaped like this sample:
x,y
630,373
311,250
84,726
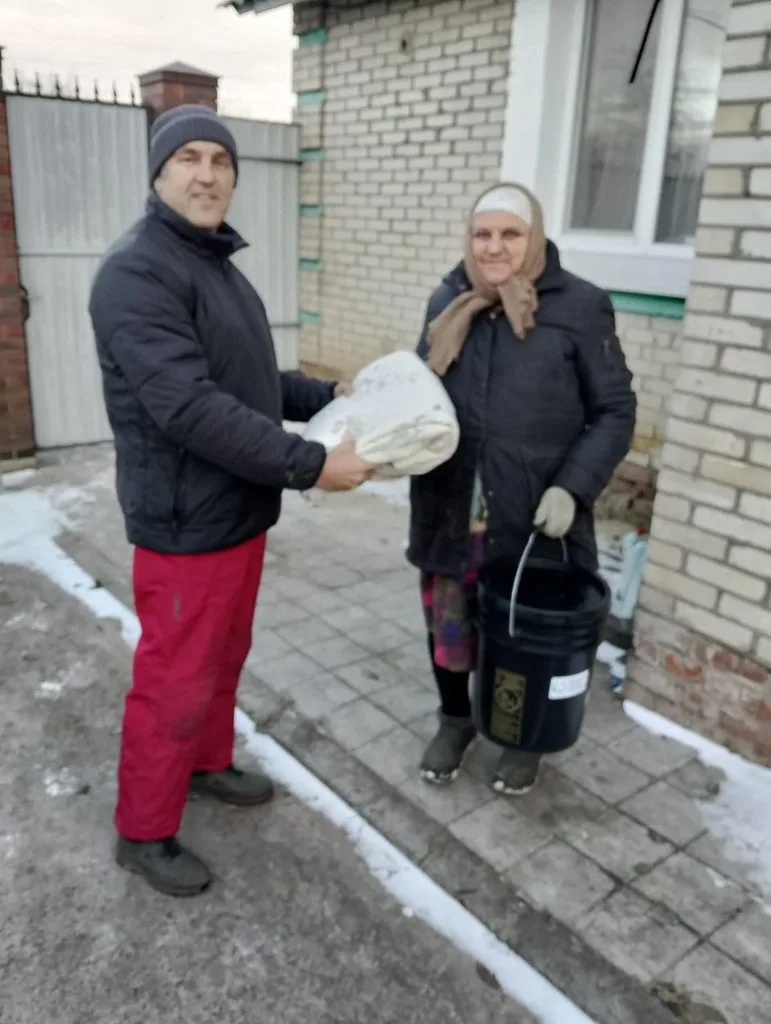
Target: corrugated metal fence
x,y
79,172
265,211
79,176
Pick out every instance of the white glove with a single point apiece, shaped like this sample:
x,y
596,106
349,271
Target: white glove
x,y
555,513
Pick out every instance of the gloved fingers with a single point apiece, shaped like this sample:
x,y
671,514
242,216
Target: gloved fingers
x,y
561,521
542,512
555,513
553,528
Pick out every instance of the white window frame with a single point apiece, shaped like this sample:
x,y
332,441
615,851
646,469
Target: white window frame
x,y
549,43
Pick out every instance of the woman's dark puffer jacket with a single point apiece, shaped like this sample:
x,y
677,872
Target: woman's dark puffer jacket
x,y
556,409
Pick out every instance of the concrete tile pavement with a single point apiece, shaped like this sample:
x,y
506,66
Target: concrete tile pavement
x,y
613,847
295,930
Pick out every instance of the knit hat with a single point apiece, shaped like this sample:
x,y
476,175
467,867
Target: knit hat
x,y
188,123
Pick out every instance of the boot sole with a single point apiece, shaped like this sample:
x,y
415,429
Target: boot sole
x,y
439,780
233,801
180,892
445,780
500,787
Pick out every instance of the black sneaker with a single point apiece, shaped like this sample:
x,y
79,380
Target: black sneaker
x,y
517,772
165,865
443,756
233,786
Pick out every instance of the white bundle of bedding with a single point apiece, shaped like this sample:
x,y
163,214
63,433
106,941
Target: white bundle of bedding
x,y
398,414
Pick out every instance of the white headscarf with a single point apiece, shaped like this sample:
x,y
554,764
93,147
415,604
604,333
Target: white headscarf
x,y
506,199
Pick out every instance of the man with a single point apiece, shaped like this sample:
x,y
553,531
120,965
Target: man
x,y
196,402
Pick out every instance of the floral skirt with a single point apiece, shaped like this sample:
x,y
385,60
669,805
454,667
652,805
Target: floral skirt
x,y
448,606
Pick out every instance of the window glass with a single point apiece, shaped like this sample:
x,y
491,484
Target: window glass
x,y
693,111
615,112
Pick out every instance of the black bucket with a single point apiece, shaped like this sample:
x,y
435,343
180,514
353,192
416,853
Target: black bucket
x,y
539,628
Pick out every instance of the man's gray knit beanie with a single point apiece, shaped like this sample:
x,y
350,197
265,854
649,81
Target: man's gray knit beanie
x,y
191,122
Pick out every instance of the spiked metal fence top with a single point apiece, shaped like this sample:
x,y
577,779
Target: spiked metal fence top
x,y
72,90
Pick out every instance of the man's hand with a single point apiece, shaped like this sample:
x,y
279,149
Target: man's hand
x,y
343,389
344,469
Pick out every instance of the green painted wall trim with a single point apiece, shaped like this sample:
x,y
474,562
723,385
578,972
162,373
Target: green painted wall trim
x,y
311,156
311,97
313,37
311,210
648,305
308,317
315,265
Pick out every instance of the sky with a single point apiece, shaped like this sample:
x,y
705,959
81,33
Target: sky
x,y
114,40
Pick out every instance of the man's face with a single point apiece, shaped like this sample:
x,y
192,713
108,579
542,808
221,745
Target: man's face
x,y
197,182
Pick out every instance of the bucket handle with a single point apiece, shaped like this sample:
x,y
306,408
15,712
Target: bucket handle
x,y
518,576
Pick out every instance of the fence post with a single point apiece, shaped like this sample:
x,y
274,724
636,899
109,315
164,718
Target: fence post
x,y
17,439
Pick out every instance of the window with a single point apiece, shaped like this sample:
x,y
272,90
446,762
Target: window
x,y
619,114
617,91
690,128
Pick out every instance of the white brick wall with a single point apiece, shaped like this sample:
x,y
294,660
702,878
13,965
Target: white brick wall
x,y
756,305
709,566
722,181
412,132
411,129
651,346
721,403
749,19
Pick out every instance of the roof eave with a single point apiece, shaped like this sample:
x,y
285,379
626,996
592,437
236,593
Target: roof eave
x,y
258,6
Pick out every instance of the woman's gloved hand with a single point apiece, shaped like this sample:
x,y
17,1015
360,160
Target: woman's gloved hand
x,y
555,513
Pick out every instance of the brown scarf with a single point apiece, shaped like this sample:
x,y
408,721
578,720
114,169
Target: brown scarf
x,y
448,332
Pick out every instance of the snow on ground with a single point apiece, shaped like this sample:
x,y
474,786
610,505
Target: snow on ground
x,y
18,478
395,492
740,815
28,525
419,895
24,515
737,816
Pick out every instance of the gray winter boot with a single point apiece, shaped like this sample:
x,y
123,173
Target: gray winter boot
x,y
166,865
443,756
233,786
517,772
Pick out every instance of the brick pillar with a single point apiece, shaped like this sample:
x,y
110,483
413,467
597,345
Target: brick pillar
x,y
16,431
704,629
175,84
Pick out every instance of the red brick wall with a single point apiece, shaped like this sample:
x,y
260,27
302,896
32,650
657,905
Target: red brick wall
x,y
630,495
704,685
17,438
163,89
165,94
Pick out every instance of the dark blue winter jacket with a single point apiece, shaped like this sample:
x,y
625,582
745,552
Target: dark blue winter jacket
x,y
193,391
554,409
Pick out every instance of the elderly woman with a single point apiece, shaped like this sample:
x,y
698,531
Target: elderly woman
x,y
530,358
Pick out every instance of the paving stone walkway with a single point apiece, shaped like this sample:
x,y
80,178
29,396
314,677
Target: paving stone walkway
x,y
606,876
613,842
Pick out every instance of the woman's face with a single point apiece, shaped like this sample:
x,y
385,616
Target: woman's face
x,y
498,244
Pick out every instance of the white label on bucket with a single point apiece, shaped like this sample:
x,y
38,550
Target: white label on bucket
x,y
563,687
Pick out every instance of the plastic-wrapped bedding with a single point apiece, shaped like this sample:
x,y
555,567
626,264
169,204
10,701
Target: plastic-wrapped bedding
x,y
399,415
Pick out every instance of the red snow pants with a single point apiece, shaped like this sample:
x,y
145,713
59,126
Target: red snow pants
x,y
196,615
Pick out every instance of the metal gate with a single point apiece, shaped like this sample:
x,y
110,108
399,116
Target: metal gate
x,y
79,174
265,211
